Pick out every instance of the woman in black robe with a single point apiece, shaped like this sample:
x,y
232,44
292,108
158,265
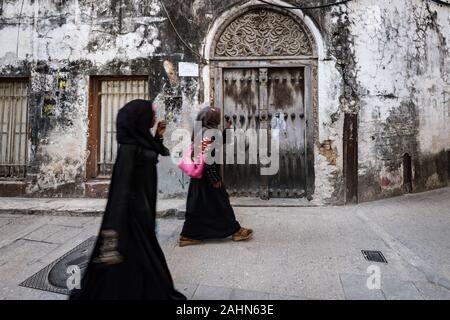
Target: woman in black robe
x,y
209,214
127,261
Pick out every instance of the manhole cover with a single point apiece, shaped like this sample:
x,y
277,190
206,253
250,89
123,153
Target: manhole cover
x,y
54,277
374,256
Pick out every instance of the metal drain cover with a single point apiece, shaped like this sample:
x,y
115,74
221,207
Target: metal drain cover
x,y
374,256
53,277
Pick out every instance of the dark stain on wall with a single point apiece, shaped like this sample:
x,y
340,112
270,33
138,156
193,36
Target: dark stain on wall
x,y
430,172
396,137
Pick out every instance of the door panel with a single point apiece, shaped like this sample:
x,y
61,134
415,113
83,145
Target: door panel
x,y
351,157
113,95
248,95
13,128
241,101
286,113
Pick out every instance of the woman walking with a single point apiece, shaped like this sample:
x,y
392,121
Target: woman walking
x,y
127,261
209,214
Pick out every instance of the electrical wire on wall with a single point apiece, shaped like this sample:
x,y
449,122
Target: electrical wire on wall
x,y
336,3
306,7
444,3
202,58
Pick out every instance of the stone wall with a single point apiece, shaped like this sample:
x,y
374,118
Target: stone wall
x,y
387,62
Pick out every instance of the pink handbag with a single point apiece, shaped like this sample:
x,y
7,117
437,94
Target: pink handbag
x,y
193,168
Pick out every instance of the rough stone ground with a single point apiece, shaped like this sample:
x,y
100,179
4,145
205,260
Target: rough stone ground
x,y
296,253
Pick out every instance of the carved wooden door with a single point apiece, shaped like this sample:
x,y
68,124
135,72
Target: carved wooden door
x,y
287,115
266,98
241,104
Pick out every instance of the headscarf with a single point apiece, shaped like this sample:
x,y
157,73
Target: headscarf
x,y
134,122
210,119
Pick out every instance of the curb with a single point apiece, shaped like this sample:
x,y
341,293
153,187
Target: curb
x,y
168,213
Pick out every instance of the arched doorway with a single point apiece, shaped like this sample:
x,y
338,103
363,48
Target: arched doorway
x,y
264,76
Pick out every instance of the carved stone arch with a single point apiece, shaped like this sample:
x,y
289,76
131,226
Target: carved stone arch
x,y
261,32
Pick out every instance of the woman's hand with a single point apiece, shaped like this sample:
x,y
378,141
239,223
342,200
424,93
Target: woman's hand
x,y
217,184
161,129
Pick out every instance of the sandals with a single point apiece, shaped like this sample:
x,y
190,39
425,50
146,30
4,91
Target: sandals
x,y
188,242
242,234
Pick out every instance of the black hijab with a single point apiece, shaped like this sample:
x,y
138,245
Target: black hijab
x,y
134,122
210,119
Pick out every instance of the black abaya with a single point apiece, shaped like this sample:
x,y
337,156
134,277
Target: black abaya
x,y
209,214
130,264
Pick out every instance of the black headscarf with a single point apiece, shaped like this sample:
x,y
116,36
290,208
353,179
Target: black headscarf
x,y
210,119
134,122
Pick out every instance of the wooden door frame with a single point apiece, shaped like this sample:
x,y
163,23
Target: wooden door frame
x,y
93,142
350,149
28,125
407,173
308,65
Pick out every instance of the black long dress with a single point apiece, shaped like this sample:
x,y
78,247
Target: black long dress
x,y
127,261
209,214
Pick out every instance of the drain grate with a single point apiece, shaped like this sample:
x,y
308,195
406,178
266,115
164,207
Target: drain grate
x,y
374,256
53,277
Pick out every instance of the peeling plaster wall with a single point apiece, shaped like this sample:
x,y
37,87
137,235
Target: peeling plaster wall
x,y
58,45
389,63
403,68
386,61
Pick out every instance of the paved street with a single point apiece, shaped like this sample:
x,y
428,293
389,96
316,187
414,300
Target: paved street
x,y
296,253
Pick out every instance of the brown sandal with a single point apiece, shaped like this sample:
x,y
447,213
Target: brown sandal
x,y
242,234
188,242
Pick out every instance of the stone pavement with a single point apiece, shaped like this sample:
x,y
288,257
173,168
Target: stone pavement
x,y
296,253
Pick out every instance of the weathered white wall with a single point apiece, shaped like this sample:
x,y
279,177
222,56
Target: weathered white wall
x,y
60,35
398,52
403,61
388,61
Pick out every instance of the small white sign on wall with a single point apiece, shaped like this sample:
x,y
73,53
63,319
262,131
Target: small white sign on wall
x,y
187,69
